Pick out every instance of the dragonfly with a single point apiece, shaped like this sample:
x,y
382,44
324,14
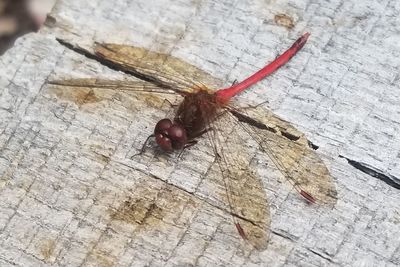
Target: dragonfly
x,y
204,112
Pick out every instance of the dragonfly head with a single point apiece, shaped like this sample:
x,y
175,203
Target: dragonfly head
x,y
170,136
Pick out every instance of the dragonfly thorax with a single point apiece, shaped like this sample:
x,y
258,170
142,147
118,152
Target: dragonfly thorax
x,y
196,112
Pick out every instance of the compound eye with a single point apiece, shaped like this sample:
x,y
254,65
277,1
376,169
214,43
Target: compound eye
x,y
164,142
178,136
162,126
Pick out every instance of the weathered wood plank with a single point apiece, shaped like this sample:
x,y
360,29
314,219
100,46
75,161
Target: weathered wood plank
x,y
70,195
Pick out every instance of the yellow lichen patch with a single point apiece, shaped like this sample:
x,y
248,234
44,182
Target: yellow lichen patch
x,y
47,249
284,20
136,211
102,260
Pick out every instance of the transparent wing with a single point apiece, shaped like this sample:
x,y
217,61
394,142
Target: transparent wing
x,y
291,152
88,91
104,84
241,190
156,67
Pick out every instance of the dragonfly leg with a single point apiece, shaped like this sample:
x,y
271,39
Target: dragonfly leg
x,y
193,141
143,149
170,103
187,145
190,144
199,134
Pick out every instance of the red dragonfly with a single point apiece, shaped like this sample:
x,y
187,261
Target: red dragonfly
x,y
207,112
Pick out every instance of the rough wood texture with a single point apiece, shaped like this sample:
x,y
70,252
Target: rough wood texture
x,y
69,194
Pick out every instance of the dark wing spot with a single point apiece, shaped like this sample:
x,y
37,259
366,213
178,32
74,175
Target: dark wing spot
x,y
290,136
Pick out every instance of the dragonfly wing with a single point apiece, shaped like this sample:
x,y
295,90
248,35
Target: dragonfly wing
x,y
91,90
158,67
292,154
241,188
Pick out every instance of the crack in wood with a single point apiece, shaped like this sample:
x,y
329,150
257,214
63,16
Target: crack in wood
x,y
246,119
320,255
312,145
290,136
287,236
374,172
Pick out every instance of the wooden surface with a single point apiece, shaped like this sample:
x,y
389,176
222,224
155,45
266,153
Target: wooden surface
x,y
70,195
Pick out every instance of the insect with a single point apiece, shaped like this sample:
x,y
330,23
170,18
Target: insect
x,y
204,112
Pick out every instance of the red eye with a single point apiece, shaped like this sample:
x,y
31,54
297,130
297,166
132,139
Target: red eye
x,y
162,126
164,142
178,136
